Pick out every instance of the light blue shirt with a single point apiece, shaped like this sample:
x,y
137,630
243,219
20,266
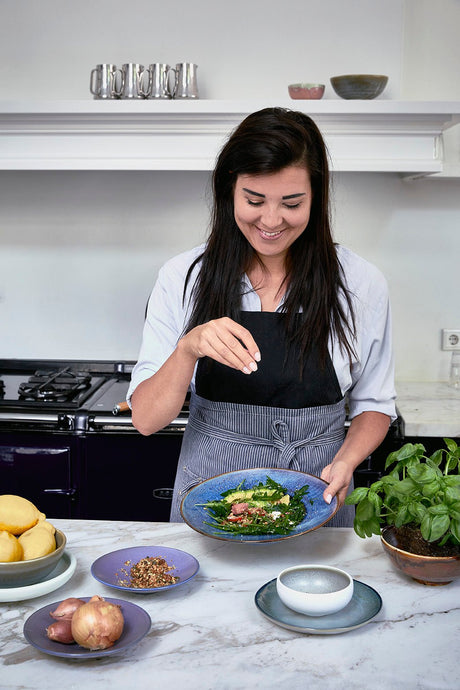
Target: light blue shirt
x,y
368,382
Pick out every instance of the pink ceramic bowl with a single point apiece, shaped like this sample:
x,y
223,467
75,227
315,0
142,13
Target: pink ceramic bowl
x,y
308,91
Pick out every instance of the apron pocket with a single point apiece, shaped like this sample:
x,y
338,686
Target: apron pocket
x,y
191,479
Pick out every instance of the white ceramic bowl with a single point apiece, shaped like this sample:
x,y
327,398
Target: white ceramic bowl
x,y
314,590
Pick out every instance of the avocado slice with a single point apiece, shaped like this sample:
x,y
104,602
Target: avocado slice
x,y
239,496
286,498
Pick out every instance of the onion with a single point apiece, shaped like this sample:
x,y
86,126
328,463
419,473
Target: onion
x,y
61,631
67,608
97,624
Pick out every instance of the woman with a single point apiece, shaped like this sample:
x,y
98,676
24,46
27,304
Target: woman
x,y
270,325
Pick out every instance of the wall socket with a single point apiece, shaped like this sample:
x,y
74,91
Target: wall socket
x,y
450,339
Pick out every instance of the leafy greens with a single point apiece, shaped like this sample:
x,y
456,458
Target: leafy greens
x,y
263,509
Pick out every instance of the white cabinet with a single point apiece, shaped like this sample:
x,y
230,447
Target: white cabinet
x,y
375,136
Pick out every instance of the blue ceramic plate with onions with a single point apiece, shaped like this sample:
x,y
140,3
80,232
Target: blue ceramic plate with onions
x,y
318,512
113,569
137,624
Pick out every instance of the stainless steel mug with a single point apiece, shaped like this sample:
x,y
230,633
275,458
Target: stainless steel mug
x,y
158,81
101,80
131,78
185,85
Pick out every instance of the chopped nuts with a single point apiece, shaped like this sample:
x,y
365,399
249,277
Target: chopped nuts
x,y
148,573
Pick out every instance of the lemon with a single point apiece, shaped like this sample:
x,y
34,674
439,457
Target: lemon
x,y
46,525
17,514
10,548
38,541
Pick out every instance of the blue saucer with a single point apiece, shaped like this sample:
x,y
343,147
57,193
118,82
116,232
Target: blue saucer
x,y
364,605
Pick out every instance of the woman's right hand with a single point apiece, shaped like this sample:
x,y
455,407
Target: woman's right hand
x,y
225,341
159,399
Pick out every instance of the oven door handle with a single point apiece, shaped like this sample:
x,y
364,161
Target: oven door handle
x,y
61,492
105,423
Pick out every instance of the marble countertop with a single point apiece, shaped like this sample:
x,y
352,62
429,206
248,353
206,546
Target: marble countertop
x,y
208,633
429,408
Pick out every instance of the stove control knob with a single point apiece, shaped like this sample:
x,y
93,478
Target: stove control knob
x,y
65,422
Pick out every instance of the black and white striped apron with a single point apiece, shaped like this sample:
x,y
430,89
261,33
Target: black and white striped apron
x,y
226,431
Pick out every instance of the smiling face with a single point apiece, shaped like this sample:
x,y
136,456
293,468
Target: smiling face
x,y
272,210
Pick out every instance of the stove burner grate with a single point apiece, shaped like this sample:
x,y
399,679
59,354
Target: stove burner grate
x,y
58,386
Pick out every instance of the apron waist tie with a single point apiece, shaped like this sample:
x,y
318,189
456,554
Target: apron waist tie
x,y
280,439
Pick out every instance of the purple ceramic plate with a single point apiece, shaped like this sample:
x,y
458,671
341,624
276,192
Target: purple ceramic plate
x,y
113,568
137,625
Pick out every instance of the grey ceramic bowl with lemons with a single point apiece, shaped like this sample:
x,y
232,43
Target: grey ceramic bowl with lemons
x,y
22,573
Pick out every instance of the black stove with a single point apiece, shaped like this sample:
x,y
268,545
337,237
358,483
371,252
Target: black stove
x,y
43,384
65,432
69,395
56,387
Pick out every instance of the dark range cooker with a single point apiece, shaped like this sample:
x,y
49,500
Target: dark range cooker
x,y
66,445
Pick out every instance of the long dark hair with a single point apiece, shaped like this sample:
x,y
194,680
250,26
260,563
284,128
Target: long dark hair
x,y
265,142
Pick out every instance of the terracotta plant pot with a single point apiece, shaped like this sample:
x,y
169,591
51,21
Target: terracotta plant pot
x,y
429,570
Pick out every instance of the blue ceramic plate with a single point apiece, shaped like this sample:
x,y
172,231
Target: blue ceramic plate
x,y
364,605
113,568
318,511
137,625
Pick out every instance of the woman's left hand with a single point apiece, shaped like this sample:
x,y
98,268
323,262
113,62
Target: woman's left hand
x,y
367,430
338,475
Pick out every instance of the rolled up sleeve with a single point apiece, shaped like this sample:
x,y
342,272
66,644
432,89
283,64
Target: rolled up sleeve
x,y
369,382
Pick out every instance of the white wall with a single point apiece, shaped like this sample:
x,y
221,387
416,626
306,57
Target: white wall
x,y
79,251
411,231
243,48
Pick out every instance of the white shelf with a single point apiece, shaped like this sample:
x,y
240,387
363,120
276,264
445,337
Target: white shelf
x,y
369,136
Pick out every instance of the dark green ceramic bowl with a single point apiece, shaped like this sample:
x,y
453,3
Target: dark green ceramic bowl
x,y
364,86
